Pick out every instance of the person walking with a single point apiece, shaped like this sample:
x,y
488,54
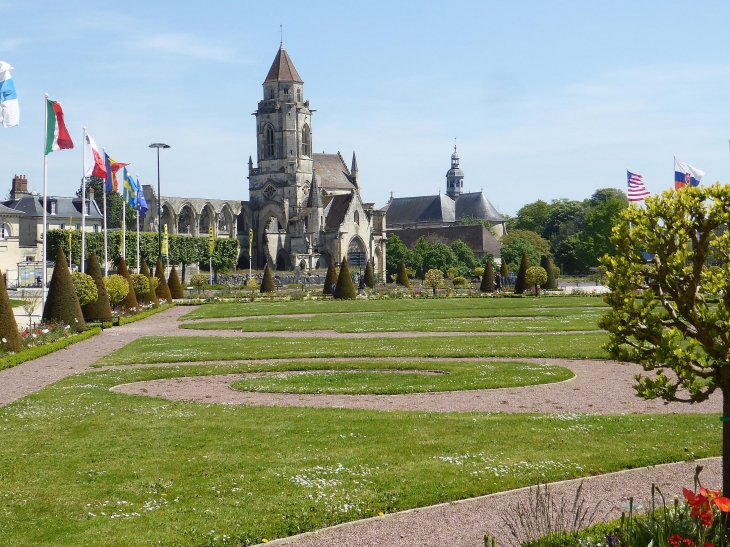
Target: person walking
x,y
497,283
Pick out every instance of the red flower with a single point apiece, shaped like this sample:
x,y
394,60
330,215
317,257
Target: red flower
x,y
708,544
722,503
674,540
688,542
706,518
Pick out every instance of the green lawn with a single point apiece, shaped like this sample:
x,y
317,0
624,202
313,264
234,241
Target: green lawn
x,y
486,306
391,378
80,465
161,349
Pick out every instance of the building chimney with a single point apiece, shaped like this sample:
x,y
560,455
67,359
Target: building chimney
x,y
20,187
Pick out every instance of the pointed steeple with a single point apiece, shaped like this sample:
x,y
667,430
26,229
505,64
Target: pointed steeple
x,y
250,164
353,171
282,69
315,193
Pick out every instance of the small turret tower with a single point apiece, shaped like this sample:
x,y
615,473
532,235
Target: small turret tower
x,y
354,173
454,177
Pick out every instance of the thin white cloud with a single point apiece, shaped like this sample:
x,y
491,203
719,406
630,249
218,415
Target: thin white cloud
x,y
186,45
10,44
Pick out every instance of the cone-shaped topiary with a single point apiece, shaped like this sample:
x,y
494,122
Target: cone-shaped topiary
x,y
173,283
345,287
100,309
331,278
151,297
547,265
504,272
62,303
488,279
162,291
130,301
9,335
402,278
520,282
369,277
267,284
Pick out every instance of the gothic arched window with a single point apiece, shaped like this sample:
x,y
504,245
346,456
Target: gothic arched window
x,y
299,95
272,94
306,140
269,142
357,217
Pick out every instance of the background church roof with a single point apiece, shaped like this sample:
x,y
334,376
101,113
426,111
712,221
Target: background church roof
x,y
332,172
336,210
441,208
477,205
282,69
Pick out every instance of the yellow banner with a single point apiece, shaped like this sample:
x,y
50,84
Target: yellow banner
x,y
164,242
211,239
250,241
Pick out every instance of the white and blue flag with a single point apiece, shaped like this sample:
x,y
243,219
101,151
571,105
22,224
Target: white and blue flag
x,y
9,109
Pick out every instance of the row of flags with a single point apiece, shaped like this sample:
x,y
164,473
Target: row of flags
x,y
684,175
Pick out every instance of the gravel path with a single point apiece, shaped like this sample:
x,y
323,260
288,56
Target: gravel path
x,y
599,386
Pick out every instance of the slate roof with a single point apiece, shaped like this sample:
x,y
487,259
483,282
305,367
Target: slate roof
x,y
476,236
65,207
8,211
336,210
440,208
332,172
282,69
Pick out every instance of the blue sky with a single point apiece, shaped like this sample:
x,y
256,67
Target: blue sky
x,y
548,100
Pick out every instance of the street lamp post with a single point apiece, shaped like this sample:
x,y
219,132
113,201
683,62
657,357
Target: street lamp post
x,y
159,145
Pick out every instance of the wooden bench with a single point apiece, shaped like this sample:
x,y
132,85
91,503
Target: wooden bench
x,y
102,320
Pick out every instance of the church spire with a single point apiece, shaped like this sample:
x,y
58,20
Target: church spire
x,y
354,171
454,177
282,69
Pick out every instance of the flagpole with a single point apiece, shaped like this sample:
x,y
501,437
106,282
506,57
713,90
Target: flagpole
x,y
106,254
139,267
124,227
83,204
45,191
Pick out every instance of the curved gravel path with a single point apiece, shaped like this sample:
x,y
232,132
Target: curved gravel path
x,y
601,386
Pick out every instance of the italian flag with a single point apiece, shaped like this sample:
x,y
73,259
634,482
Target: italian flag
x,y
57,137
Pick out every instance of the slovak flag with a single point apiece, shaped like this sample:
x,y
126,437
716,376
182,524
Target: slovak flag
x,y
93,163
686,175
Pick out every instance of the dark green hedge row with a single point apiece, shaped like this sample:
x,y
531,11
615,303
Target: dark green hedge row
x,y
182,249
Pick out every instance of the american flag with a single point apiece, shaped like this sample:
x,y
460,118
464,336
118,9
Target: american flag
x,y
637,190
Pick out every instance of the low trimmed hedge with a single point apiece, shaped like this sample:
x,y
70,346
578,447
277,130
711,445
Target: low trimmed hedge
x,y
133,318
39,351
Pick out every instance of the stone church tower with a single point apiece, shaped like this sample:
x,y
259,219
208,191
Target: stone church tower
x,y
304,206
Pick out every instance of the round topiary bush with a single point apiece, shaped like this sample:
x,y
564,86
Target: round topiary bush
x,y
199,280
535,276
141,284
345,289
434,279
452,273
117,288
173,282
330,279
85,288
267,283
459,281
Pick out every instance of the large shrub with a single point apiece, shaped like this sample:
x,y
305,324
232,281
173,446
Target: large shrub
x,y
267,283
345,287
434,279
100,307
199,280
162,291
330,279
141,284
9,337
176,290
130,300
402,278
487,284
534,276
520,282
369,277
62,303
117,288
85,288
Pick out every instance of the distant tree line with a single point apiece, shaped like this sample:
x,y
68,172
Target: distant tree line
x,y
427,256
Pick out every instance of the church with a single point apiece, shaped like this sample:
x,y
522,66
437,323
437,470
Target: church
x,y
304,208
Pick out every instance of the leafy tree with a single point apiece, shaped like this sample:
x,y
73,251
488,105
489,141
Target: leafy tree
x,y
130,301
520,281
85,288
662,313
464,256
566,254
439,256
595,239
117,288
402,278
534,276
532,216
434,279
479,272
267,283
395,253
603,195
550,283
100,308
176,290
471,220
513,252
141,284
565,218
504,272
199,280
345,288
331,278
487,279
369,277
62,304
10,341
162,290
541,245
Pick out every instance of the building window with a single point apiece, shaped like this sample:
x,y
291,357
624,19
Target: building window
x,y
78,226
357,218
269,142
272,94
299,95
88,205
53,207
4,231
96,227
306,140
286,91
62,226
